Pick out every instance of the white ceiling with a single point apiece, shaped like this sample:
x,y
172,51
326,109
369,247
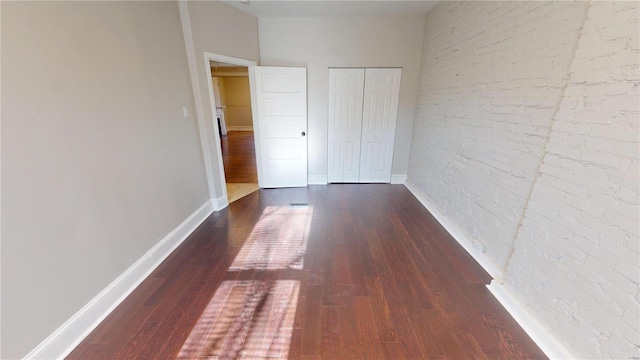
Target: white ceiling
x,y
313,8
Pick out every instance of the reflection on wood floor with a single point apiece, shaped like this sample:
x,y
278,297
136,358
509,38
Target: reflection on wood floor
x,y
238,155
362,272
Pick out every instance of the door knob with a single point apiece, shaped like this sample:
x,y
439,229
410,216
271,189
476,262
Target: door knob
x,y
304,133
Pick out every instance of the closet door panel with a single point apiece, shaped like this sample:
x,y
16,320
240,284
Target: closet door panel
x,y
380,112
346,88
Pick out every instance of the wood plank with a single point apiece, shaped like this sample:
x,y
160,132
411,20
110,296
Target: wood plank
x,y
330,344
330,290
367,333
401,316
349,344
311,338
295,348
381,311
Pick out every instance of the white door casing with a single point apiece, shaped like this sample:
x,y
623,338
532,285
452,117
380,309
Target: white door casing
x,y
379,115
280,124
346,87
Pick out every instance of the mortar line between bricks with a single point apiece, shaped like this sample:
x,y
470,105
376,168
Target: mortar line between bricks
x,y
505,266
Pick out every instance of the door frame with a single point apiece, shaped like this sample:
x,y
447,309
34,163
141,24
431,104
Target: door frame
x,y
219,174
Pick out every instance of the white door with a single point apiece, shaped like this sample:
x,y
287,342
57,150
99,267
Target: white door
x,y
379,115
346,88
280,125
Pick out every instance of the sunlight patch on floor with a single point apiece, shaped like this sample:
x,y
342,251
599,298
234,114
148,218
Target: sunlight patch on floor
x,y
253,317
245,320
237,191
278,240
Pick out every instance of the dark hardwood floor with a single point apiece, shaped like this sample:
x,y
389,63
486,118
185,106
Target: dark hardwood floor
x,y
239,157
362,272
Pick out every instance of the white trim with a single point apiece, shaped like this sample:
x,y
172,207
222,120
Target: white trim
x,y
529,324
398,178
462,239
239,128
317,179
229,60
220,203
547,343
216,135
62,341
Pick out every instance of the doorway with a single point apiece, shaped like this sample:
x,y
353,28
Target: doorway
x,y
278,97
232,98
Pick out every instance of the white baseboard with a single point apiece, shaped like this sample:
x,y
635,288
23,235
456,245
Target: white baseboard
x,y
532,327
398,178
62,341
220,203
456,233
239,128
317,179
529,324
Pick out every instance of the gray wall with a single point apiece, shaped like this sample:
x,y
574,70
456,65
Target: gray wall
x,y
98,162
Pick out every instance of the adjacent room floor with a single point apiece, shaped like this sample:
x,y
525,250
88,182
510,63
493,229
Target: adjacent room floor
x,y
239,158
324,272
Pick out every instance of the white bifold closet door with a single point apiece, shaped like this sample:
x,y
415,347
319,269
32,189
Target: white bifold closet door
x,y
346,93
362,124
379,115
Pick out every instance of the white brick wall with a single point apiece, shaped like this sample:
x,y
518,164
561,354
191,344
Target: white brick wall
x,y
491,81
576,261
527,137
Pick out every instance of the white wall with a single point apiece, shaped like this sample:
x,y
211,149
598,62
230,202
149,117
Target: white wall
x,y
490,84
576,263
219,28
98,162
320,43
531,147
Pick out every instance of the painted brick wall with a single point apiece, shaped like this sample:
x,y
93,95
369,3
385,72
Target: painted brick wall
x,y
576,262
526,137
491,80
